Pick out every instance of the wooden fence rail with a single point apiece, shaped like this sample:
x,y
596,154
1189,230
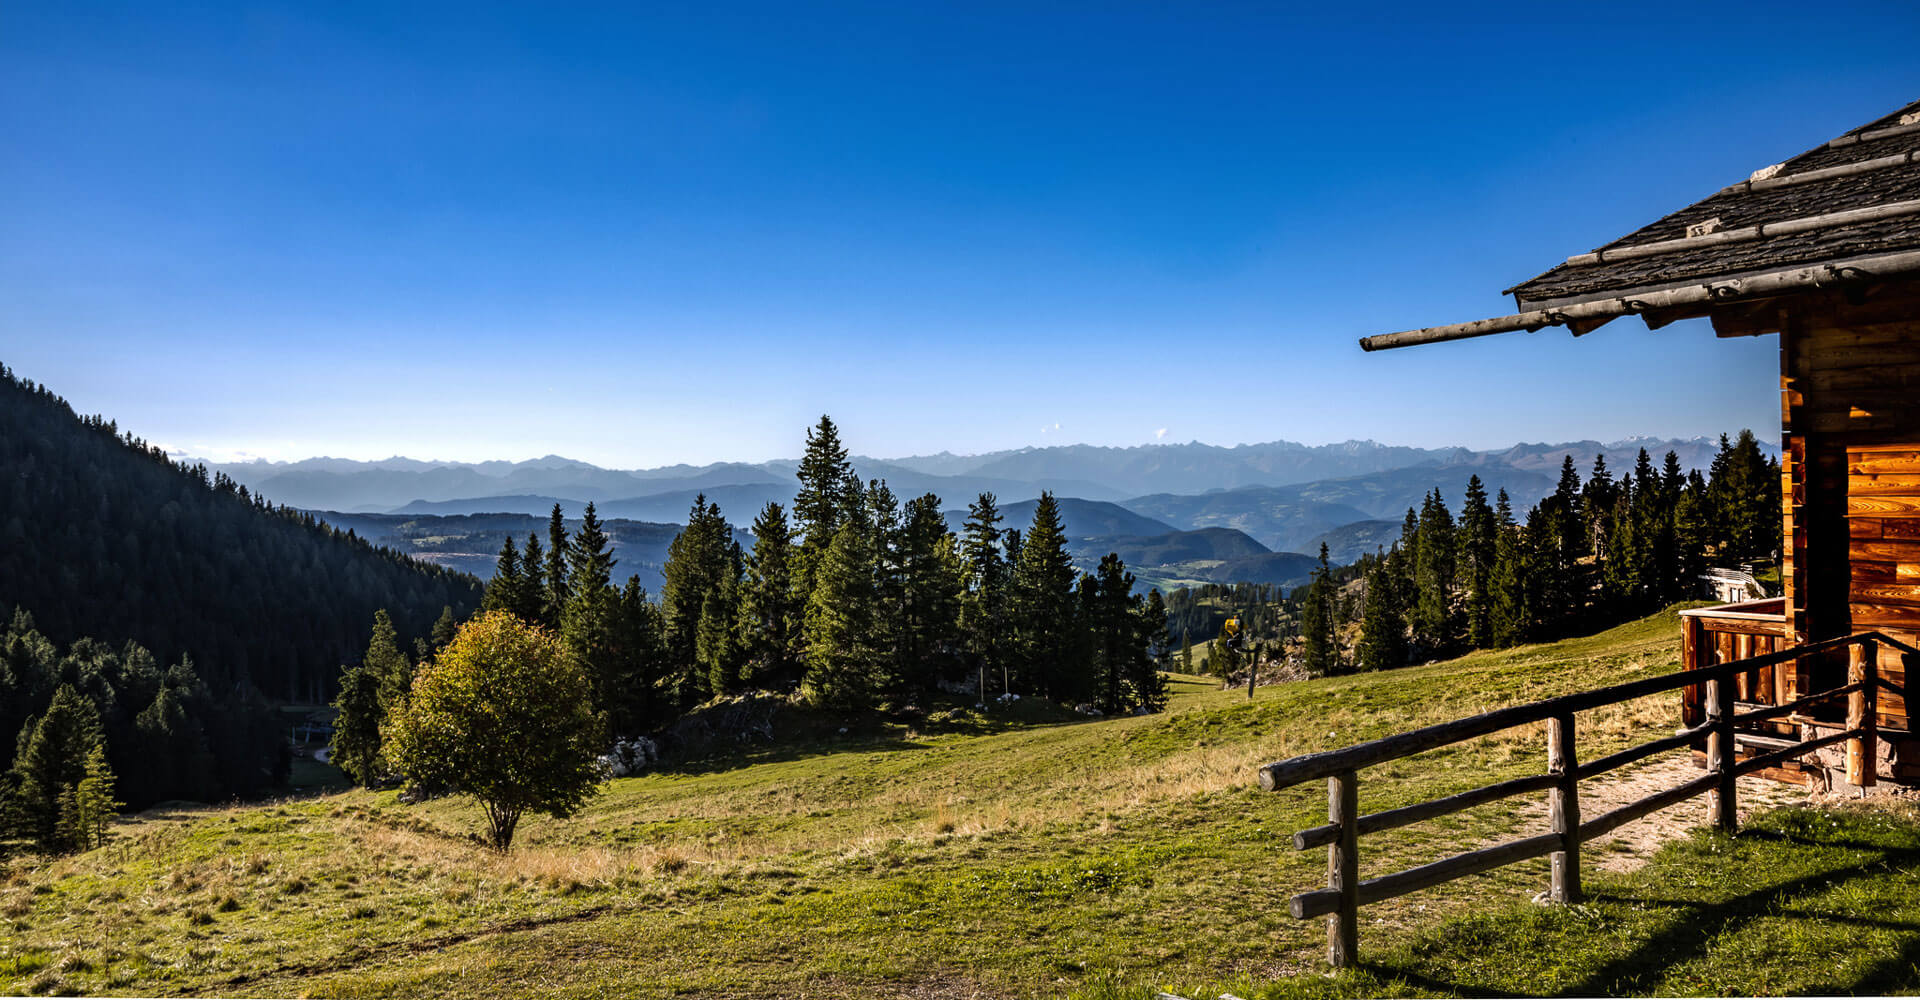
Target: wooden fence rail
x,y
1346,893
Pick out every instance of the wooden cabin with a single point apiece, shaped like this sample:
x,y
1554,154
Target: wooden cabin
x,y
1822,251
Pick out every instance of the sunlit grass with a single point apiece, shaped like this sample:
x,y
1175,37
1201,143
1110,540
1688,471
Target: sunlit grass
x,y
1031,859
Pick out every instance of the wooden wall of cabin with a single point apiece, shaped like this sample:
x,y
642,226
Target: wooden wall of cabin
x,y
1850,400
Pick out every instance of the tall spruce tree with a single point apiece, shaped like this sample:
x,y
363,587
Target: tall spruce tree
x,y
1383,626
504,591
590,623
355,745
844,662
1321,653
51,762
699,560
1435,623
983,610
556,594
820,505
1479,534
1044,608
389,666
931,581
769,615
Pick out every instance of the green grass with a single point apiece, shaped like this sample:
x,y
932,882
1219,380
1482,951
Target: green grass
x,y
998,856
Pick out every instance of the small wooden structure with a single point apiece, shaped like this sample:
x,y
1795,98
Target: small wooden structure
x,y
1824,251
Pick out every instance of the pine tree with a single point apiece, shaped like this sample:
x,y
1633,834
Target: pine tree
x,y
504,591
1383,628
631,699
931,580
590,621
355,747
1511,614
94,804
443,628
1043,607
557,593
1435,624
1148,683
699,560
821,503
50,764
716,653
983,607
533,587
1321,653
387,663
1478,536
769,617
844,663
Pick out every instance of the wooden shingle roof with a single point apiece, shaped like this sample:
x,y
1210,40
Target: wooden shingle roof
x,y
1885,170
1845,211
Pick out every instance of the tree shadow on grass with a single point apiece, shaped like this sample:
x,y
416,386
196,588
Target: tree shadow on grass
x,y
1696,926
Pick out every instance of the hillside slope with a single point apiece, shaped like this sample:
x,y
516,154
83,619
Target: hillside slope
x,y
102,536
958,856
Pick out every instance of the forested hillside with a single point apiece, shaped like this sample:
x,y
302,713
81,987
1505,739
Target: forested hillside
x,y
101,536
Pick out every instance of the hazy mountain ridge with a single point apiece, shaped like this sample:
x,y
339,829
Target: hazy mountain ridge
x,y
1090,471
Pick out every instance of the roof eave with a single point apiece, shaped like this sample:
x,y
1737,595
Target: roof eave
x,y
1584,314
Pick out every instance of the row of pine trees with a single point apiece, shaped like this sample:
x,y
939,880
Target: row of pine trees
x,y
1589,555
853,600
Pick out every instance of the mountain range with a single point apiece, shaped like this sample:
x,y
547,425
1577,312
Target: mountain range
x,y
1178,513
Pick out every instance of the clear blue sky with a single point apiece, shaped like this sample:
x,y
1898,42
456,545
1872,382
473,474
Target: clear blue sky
x,y
639,236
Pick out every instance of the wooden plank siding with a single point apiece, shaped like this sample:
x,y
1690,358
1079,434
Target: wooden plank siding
x,y
1850,481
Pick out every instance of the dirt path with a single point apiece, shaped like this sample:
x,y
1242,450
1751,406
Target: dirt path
x,y
1630,846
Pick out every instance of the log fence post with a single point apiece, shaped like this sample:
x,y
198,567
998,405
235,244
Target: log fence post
x,y
1563,808
1720,752
1343,869
1863,669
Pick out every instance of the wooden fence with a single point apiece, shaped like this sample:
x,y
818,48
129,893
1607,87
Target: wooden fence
x,y
1341,900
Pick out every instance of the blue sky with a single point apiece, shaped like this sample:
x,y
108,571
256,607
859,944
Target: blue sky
x,y
640,235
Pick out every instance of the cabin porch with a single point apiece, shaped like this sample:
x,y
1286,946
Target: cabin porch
x,y
1727,632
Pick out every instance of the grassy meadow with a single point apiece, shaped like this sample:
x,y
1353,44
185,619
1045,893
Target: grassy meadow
x,y
985,857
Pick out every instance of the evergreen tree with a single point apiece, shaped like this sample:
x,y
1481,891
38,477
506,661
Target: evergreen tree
x,y
1479,533
590,622
1435,624
1148,683
699,560
844,662
1511,615
716,653
557,593
387,663
94,804
769,615
533,583
983,610
50,764
1043,608
443,628
1383,628
931,579
821,503
631,699
1322,652
355,747
505,592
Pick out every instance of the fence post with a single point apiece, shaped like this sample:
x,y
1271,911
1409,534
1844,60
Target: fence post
x,y
1343,869
1863,668
1563,809
1720,755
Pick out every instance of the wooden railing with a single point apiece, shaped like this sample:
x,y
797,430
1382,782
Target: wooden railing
x,y
1344,894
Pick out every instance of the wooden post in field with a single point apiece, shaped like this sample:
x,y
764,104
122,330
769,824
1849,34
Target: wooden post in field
x,y
1343,869
1863,662
1563,809
1720,754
